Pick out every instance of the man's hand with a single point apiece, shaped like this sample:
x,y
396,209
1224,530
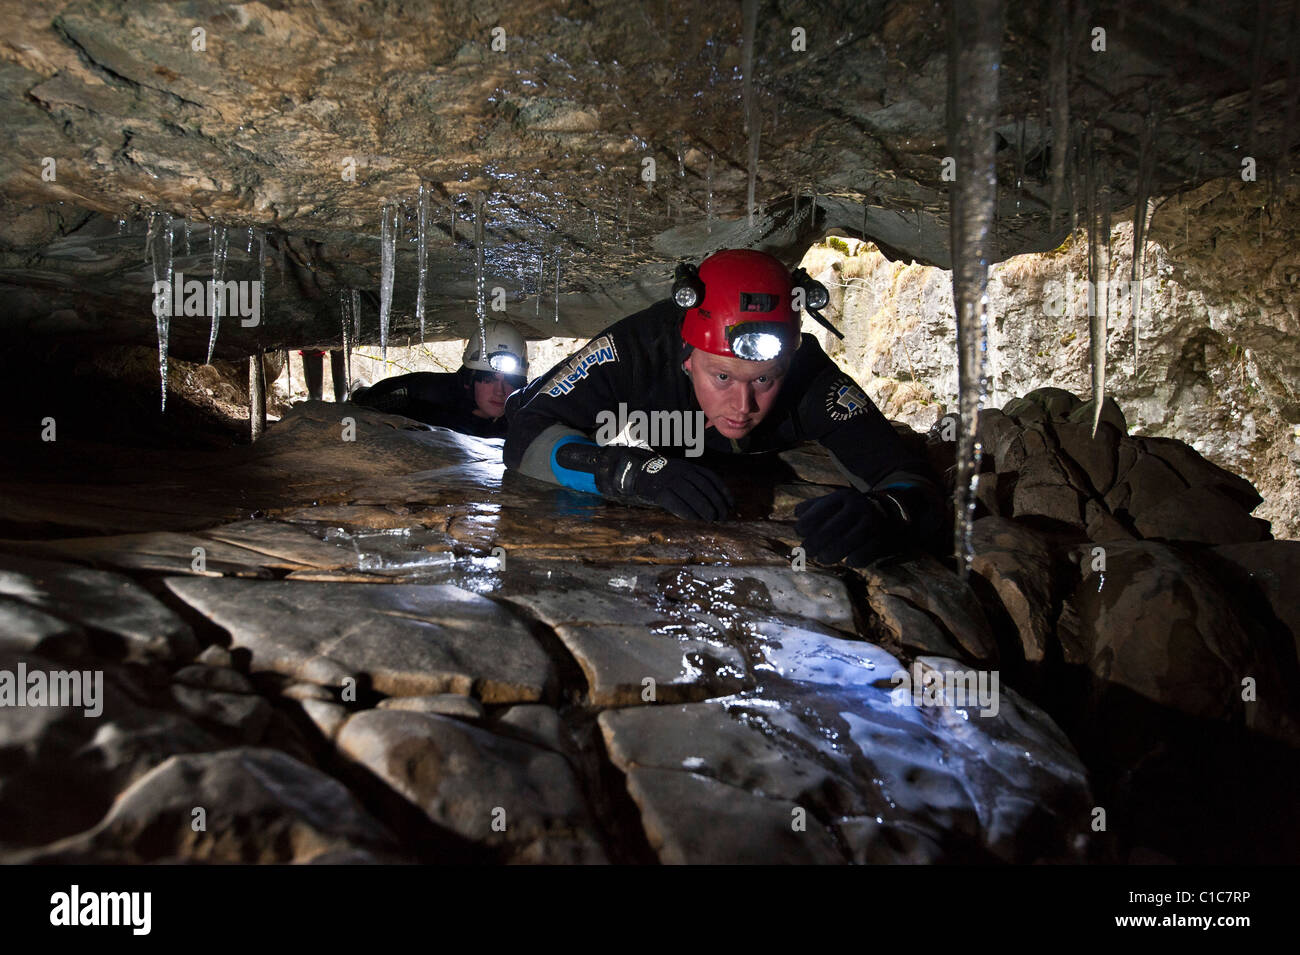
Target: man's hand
x,y
687,490
851,526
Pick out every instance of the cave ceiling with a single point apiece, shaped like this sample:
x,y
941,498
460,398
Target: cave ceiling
x,y
301,120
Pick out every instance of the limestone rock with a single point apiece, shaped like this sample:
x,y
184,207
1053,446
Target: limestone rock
x,y
1017,562
1274,569
259,805
540,724
1103,526
24,628
1096,456
407,639
1110,414
215,656
520,800
63,769
937,591
744,828
1203,515
222,679
246,716
626,665
833,733
1057,402
122,617
1044,491
1198,472
448,704
327,717
1162,627
309,691
1147,484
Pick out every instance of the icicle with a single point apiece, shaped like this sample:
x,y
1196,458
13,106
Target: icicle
x,y
1096,294
1141,216
557,289
479,287
187,236
356,314
121,226
261,274
452,203
160,233
1020,163
541,282
387,266
249,248
750,15
708,206
219,237
347,341
975,41
422,254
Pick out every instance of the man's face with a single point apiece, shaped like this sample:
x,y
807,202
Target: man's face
x,y
735,394
491,391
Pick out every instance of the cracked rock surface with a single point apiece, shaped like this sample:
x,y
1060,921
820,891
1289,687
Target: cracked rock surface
x,y
479,669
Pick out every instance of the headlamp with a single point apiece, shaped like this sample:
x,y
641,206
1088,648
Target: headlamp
x,y
688,290
505,363
757,341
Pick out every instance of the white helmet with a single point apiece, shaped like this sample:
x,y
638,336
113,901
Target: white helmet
x,y
506,351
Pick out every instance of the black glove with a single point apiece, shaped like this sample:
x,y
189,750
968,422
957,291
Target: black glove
x,y
688,490
851,526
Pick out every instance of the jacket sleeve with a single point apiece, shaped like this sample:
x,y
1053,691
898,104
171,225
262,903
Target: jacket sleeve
x,y
837,413
563,407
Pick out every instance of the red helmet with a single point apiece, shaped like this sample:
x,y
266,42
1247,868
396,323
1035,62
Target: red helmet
x,y
740,305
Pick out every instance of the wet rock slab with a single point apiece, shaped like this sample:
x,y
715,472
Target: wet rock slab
x,y
667,634
832,738
401,639
125,621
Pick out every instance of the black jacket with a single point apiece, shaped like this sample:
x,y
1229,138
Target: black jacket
x,y
434,398
638,361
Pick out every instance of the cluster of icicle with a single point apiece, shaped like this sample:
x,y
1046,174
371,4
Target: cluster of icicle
x,y
161,237
392,215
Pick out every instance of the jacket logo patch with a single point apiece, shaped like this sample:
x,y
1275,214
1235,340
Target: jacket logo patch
x,y
844,400
575,368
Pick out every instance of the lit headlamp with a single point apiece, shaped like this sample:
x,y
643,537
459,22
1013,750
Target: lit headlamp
x,y
758,341
505,363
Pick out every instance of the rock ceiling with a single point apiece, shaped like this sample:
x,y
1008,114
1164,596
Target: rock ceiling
x,y
301,120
